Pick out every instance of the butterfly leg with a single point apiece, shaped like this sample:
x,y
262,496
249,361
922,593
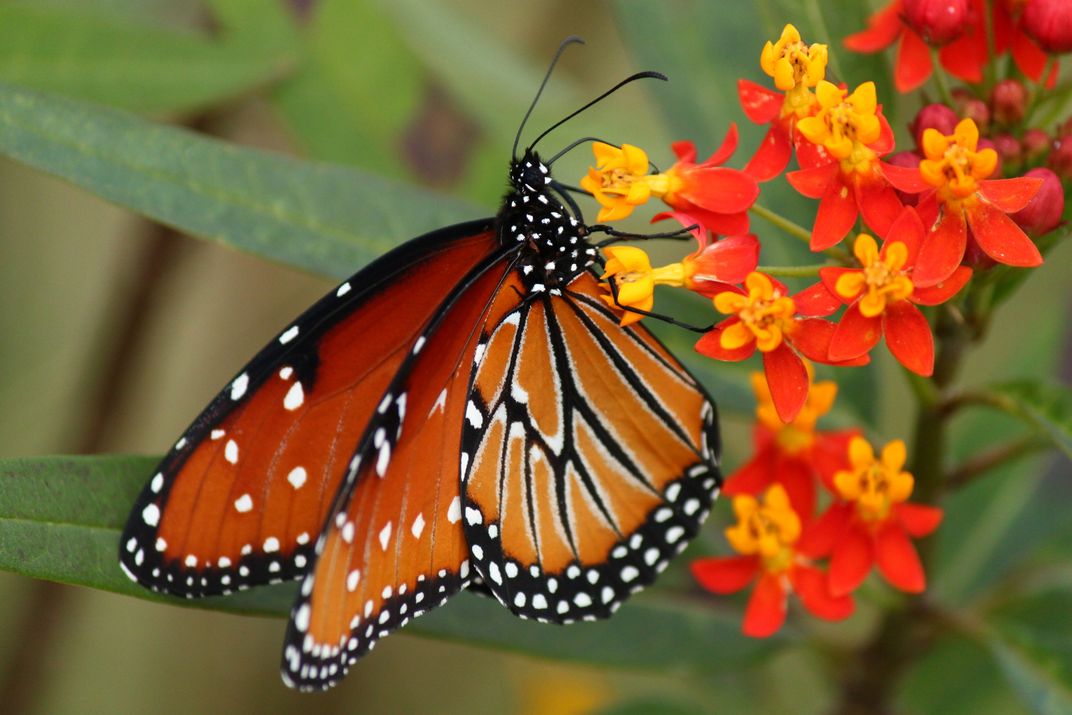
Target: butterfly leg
x,y
657,316
616,236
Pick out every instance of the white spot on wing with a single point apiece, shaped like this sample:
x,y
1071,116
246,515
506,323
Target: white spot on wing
x,y
295,397
151,514
297,477
418,526
243,504
288,335
385,536
230,451
454,512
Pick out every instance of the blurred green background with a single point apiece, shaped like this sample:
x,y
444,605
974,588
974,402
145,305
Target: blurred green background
x,y
116,331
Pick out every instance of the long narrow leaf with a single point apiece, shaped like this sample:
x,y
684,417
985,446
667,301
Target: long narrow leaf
x,y
318,217
61,518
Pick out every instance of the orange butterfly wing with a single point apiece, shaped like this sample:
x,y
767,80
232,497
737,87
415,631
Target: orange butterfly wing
x,y
241,498
593,458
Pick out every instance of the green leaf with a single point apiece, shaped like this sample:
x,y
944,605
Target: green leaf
x,y
1047,407
1031,672
129,64
650,706
354,60
61,519
322,218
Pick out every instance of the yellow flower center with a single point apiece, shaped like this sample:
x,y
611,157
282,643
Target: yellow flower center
x,y
765,314
768,529
874,484
881,280
845,125
799,435
953,165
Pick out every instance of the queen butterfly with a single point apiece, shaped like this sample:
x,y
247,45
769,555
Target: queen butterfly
x,y
463,411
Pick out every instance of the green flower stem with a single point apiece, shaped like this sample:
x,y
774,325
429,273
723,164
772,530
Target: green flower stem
x,y
982,463
792,228
940,80
792,271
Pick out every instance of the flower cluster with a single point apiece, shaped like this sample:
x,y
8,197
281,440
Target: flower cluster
x,y
896,233
780,541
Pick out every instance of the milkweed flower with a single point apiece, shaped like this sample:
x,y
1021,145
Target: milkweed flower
x,y
882,297
873,524
766,536
620,181
764,317
796,68
1018,31
964,56
852,132
793,454
958,196
712,267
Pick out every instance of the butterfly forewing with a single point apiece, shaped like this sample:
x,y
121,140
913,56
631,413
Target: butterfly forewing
x,y
394,546
593,458
242,496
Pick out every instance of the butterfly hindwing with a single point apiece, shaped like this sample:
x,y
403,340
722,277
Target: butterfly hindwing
x,y
592,458
242,496
393,546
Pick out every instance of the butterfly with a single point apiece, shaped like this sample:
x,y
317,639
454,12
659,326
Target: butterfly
x,y
465,411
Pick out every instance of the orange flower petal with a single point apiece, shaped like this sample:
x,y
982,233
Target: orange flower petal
x,y
897,559
909,338
766,609
725,575
788,381
850,562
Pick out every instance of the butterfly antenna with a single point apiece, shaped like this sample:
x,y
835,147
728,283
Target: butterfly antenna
x,y
632,78
571,40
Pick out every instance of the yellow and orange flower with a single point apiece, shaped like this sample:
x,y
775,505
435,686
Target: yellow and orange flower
x,y
766,536
957,197
873,523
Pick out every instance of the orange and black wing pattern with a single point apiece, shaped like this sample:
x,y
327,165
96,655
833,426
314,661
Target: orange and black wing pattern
x,y
589,458
393,545
242,497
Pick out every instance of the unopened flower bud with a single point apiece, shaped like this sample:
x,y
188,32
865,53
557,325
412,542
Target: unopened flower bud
x,y
1036,144
1049,22
1044,211
937,21
933,116
968,106
1061,157
1008,101
1009,149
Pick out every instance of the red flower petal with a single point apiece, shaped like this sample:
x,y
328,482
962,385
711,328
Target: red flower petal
x,y
813,588
766,609
811,156
918,519
903,178
813,182
1030,58
878,203
760,104
812,340
710,344
817,301
755,475
725,150
898,560
830,453
686,220
829,276
943,290
730,259
718,189
836,216
882,29
855,335
1010,195
942,250
788,381
685,151
796,476
821,536
908,228
850,561
908,336
965,56
725,575
913,62
886,139
733,224
772,155
1000,237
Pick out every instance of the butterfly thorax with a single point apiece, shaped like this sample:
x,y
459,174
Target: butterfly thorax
x,y
554,250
